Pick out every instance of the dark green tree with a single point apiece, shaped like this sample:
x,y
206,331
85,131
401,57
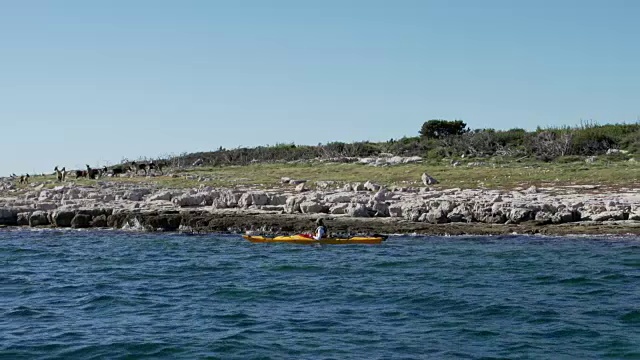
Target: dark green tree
x,y
437,129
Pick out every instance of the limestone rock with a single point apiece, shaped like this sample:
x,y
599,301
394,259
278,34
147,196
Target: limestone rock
x,y
428,180
357,210
23,218
99,221
38,218
565,216
518,215
338,209
312,207
608,215
163,196
189,200
8,216
436,216
62,218
81,221
301,187
371,186
380,209
341,197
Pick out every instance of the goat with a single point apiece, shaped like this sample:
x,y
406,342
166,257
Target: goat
x,y
24,179
58,173
92,173
81,173
137,167
116,170
156,166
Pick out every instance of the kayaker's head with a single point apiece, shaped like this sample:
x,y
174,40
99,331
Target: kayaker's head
x,y
320,222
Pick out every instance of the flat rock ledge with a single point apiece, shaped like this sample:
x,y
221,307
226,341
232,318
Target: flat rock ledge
x,y
366,208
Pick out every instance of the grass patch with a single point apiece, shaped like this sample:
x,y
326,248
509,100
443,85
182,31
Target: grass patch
x,y
488,174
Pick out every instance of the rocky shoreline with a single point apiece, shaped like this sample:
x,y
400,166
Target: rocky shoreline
x,y
360,208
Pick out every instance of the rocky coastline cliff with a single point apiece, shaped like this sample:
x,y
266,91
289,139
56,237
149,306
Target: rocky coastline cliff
x,y
353,208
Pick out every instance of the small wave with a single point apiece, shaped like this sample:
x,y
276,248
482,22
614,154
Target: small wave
x,y
479,333
573,333
578,280
293,268
632,317
22,311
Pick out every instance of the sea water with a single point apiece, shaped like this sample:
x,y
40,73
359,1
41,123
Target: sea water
x,y
111,295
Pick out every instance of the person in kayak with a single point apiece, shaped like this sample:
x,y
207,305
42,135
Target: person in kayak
x,y
321,230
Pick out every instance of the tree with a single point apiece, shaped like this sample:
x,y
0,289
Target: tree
x,y
438,129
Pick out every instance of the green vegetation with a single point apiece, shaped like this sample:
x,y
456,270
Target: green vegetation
x,y
447,139
484,158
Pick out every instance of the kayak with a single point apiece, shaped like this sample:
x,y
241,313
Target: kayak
x,y
304,239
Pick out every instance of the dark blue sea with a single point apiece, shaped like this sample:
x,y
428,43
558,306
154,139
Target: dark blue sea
x,y
117,295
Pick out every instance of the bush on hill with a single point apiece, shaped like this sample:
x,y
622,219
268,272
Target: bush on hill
x,y
440,139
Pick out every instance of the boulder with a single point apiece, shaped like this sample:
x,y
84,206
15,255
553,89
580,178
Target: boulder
x,y
8,216
358,187
62,218
607,215
277,199
634,216
461,213
162,196
357,210
565,216
341,197
338,209
257,198
23,218
99,221
135,194
395,210
301,187
312,207
81,221
39,218
292,204
543,217
380,209
190,200
381,195
428,180
371,186
46,206
518,215
436,216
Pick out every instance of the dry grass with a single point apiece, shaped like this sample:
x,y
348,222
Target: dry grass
x,y
497,176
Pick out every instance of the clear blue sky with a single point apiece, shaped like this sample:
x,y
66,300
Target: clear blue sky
x,y
92,82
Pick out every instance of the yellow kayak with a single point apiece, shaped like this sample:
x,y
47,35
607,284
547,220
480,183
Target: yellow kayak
x,y
302,239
